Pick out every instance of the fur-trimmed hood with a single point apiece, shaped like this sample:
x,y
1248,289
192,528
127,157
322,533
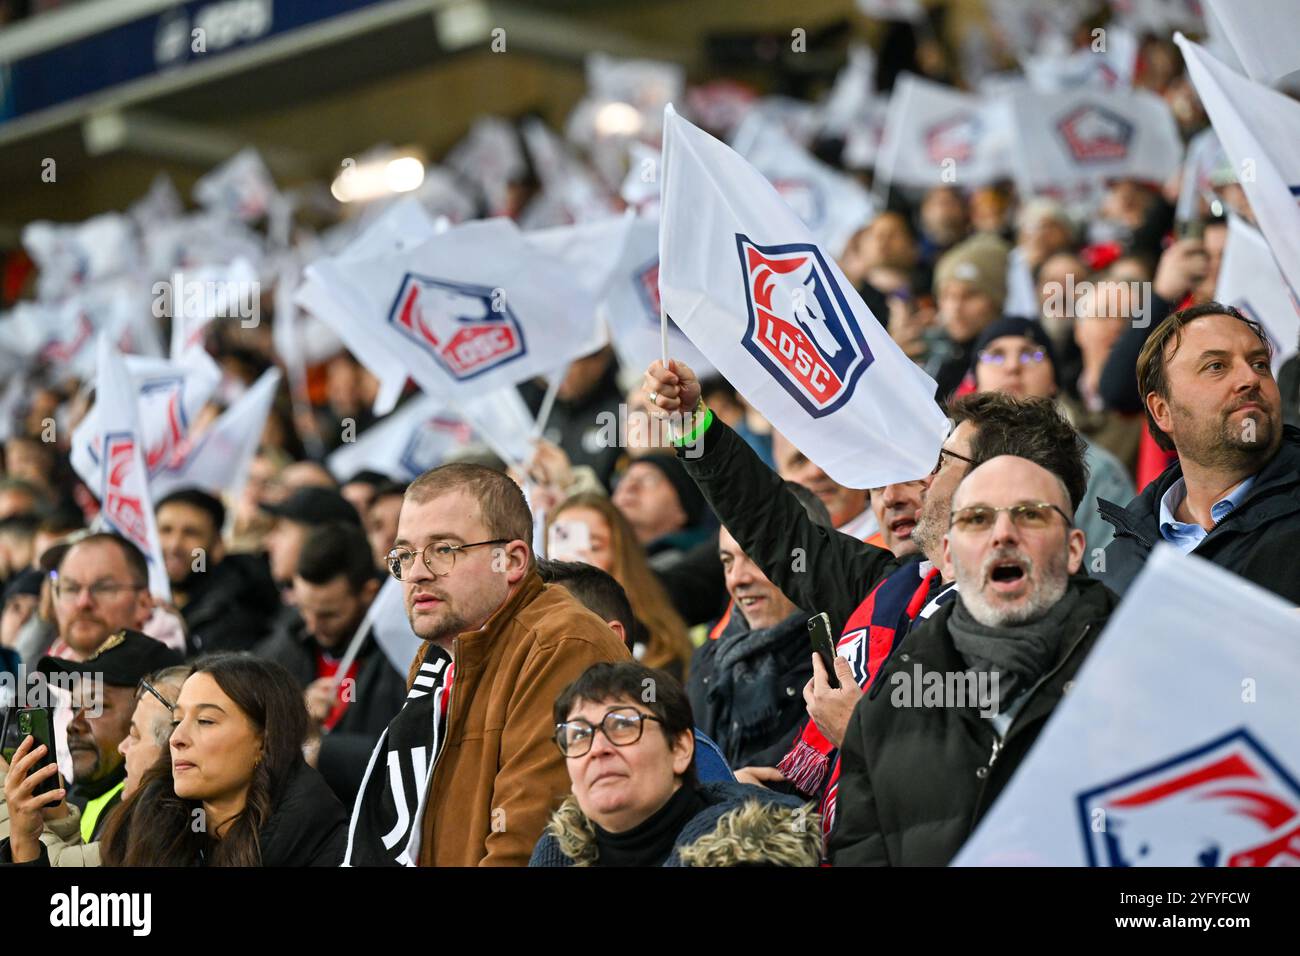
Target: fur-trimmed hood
x,y
742,825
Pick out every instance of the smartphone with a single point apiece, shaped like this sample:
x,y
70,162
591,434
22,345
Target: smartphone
x,y
819,634
38,722
569,541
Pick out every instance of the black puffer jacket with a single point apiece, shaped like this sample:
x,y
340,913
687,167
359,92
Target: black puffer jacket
x,y
308,826
232,606
1258,540
914,781
746,689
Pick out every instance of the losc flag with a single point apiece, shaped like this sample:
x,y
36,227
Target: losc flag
x,y
1249,280
833,206
169,396
218,459
467,312
125,502
934,134
1176,747
1077,140
772,312
631,307
1259,129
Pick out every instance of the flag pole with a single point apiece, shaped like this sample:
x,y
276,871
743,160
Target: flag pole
x,y
548,400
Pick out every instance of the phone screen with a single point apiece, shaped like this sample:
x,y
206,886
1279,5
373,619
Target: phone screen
x,y
569,541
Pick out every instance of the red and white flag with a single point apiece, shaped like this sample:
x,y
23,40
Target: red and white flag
x,y
771,310
125,501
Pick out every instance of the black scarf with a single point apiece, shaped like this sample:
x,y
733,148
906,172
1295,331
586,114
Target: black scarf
x,y
387,812
1021,654
651,841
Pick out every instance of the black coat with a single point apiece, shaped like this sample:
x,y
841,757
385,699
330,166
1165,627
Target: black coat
x,y
752,704
576,425
308,825
379,693
837,571
914,781
1258,540
232,606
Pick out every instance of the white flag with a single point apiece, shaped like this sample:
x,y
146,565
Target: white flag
x,y
1059,68
1204,155
1177,745
169,396
1250,281
1263,35
70,256
218,459
775,315
1259,129
392,628
832,205
1074,141
464,313
125,502
200,296
241,187
631,309
492,157
934,134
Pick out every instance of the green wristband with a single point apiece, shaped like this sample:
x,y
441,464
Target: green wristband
x,y
697,431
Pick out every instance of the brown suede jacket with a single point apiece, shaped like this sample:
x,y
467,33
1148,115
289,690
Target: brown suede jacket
x,y
500,776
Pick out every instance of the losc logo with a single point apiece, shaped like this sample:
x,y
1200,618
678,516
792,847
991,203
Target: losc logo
x,y
162,414
123,509
1226,803
804,199
953,138
647,286
457,324
800,327
1094,134
430,443
62,351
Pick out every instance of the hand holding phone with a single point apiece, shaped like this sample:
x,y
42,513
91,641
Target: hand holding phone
x,y
38,723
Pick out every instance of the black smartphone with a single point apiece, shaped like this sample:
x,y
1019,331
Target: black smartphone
x,y
38,722
819,634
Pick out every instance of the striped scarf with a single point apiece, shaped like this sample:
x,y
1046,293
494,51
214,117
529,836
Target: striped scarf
x,y
385,818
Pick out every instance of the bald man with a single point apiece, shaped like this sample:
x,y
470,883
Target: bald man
x,y
960,703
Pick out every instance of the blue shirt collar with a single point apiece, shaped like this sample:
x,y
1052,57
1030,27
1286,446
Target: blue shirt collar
x,y
1171,528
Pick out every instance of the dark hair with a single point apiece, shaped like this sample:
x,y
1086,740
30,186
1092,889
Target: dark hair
x,y
388,488
62,520
1029,428
501,501
1151,370
21,525
134,557
196,498
632,681
595,589
155,828
334,548
367,476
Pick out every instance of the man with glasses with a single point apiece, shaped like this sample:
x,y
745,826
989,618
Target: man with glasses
x,y
107,698
916,776
60,825
467,773
871,596
101,587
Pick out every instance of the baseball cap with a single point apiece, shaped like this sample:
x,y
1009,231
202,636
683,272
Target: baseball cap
x,y
123,659
312,505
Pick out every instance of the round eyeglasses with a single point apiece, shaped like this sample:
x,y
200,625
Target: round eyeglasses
x,y
438,556
622,726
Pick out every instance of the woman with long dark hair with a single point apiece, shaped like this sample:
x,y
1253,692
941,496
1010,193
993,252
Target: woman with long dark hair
x,y
233,788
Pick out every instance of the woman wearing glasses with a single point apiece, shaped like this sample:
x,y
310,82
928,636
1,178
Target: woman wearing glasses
x,y
626,733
